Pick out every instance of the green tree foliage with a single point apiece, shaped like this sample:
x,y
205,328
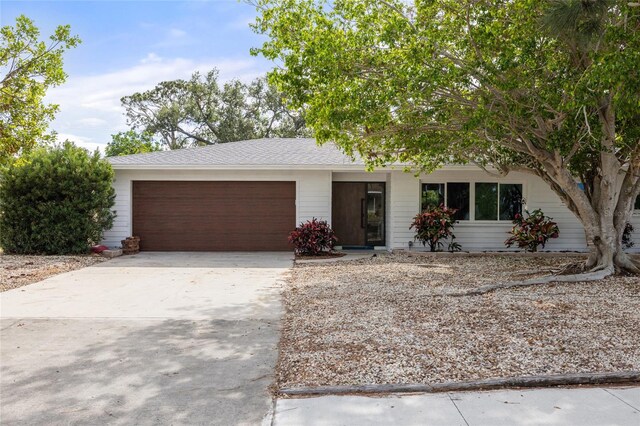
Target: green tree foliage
x,y
29,66
55,201
200,111
131,142
548,88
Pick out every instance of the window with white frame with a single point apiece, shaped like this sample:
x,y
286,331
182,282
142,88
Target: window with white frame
x,y
497,201
491,200
458,196
432,195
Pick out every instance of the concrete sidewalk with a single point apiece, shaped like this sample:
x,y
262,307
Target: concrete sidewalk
x,y
619,406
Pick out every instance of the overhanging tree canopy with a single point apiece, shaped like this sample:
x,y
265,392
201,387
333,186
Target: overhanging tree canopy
x,y
200,111
549,88
28,67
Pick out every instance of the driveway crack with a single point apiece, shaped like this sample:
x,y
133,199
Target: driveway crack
x,y
620,399
460,412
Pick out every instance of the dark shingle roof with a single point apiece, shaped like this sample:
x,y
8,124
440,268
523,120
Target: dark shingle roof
x,y
273,152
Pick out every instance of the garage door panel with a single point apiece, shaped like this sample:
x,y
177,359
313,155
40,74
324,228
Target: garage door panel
x,y
204,209
213,215
230,227
224,190
221,242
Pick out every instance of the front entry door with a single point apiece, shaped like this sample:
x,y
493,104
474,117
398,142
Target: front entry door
x,y
358,216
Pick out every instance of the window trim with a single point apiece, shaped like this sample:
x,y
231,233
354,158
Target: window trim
x,y
472,196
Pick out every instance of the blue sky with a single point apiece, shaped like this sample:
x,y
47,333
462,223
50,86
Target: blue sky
x,y
129,46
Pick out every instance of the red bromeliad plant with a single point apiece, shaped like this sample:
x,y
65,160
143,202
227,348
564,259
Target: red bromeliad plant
x,y
533,231
434,225
313,237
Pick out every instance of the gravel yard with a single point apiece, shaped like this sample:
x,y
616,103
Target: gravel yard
x,y
17,270
380,321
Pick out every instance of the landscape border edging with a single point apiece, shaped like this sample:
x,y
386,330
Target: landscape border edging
x,y
486,384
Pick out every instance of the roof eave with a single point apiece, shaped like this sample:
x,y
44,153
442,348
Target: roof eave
x,y
237,167
278,167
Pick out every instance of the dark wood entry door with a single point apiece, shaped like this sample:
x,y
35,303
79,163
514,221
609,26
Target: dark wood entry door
x,y
358,213
347,215
213,215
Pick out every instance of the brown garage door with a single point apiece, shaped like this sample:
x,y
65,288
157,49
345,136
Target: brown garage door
x,y
213,216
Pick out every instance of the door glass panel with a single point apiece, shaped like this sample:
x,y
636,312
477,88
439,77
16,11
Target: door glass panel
x,y
375,214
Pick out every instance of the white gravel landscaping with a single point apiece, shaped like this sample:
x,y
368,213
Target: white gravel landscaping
x,y
380,321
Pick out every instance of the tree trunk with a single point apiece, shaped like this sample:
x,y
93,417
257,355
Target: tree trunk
x,y
603,214
607,252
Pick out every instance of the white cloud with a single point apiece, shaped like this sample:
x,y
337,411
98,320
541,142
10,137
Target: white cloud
x,y
150,58
177,33
175,37
91,121
81,141
90,105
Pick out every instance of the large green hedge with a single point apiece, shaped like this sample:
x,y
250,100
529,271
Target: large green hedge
x,y
55,201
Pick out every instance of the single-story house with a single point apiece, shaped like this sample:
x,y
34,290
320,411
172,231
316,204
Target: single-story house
x,y
249,195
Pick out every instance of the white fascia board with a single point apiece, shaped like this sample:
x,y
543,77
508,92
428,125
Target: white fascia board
x,y
332,167
236,167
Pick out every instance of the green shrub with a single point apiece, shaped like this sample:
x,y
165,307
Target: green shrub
x,y
55,201
433,225
533,231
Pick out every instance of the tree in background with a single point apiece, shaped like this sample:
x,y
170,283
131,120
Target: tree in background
x,y
548,88
29,67
131,142
55,201
200,111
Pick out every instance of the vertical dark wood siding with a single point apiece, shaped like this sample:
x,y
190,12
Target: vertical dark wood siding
x,y
346,213
213,215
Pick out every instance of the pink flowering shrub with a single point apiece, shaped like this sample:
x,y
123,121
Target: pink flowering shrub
x,y
313,237
433,225
533,231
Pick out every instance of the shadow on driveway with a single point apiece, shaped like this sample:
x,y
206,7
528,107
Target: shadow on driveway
x,y
60,371
172,345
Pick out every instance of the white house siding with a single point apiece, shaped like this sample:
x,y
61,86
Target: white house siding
x,y
404,194
635,221
313,199
481,235
378,176
313,192
313,195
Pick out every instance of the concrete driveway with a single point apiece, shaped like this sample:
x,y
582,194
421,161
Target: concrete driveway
x,y
156,338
